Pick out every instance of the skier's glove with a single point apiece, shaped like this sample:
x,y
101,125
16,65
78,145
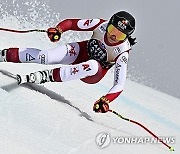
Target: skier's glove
x,y
101,105
54,34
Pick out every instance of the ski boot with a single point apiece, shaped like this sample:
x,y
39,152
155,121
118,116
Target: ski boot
x,y
3,55
36,77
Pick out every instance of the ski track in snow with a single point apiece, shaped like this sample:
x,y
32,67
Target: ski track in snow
x,y
52,95
57,97
42,90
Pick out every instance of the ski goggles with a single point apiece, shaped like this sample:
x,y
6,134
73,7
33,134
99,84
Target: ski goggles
x,y
120,36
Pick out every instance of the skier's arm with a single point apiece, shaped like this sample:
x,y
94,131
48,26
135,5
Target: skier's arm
x,y
54,34
102,105
79,24
120,73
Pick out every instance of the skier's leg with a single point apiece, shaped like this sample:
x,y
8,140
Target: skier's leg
x,y
97,77
90,72
64,54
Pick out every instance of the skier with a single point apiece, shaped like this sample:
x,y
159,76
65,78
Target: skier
x,y
88,60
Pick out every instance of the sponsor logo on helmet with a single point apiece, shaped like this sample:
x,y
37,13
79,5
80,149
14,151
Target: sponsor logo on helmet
x,y
122,24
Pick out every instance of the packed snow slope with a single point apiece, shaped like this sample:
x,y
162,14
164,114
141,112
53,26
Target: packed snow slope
x,y
57,118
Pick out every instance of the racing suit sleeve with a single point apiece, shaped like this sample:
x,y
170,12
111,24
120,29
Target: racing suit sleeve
x,y
120,73
79,24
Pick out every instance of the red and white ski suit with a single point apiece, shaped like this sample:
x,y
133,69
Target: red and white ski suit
x,y
82,66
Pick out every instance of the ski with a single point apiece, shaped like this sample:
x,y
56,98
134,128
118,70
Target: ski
x,y
4,72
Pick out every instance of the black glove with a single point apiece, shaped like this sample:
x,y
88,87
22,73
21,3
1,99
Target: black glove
x,y
101,105
54,34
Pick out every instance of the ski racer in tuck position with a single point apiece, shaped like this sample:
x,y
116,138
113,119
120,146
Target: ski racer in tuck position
x,y
88,60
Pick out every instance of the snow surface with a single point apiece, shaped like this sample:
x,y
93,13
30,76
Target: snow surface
x,y
57,118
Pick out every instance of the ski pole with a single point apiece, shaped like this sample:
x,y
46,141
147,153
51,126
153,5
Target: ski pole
x,y
22,31
137,123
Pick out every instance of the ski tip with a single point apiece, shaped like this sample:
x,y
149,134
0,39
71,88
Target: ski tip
x,y
171,149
